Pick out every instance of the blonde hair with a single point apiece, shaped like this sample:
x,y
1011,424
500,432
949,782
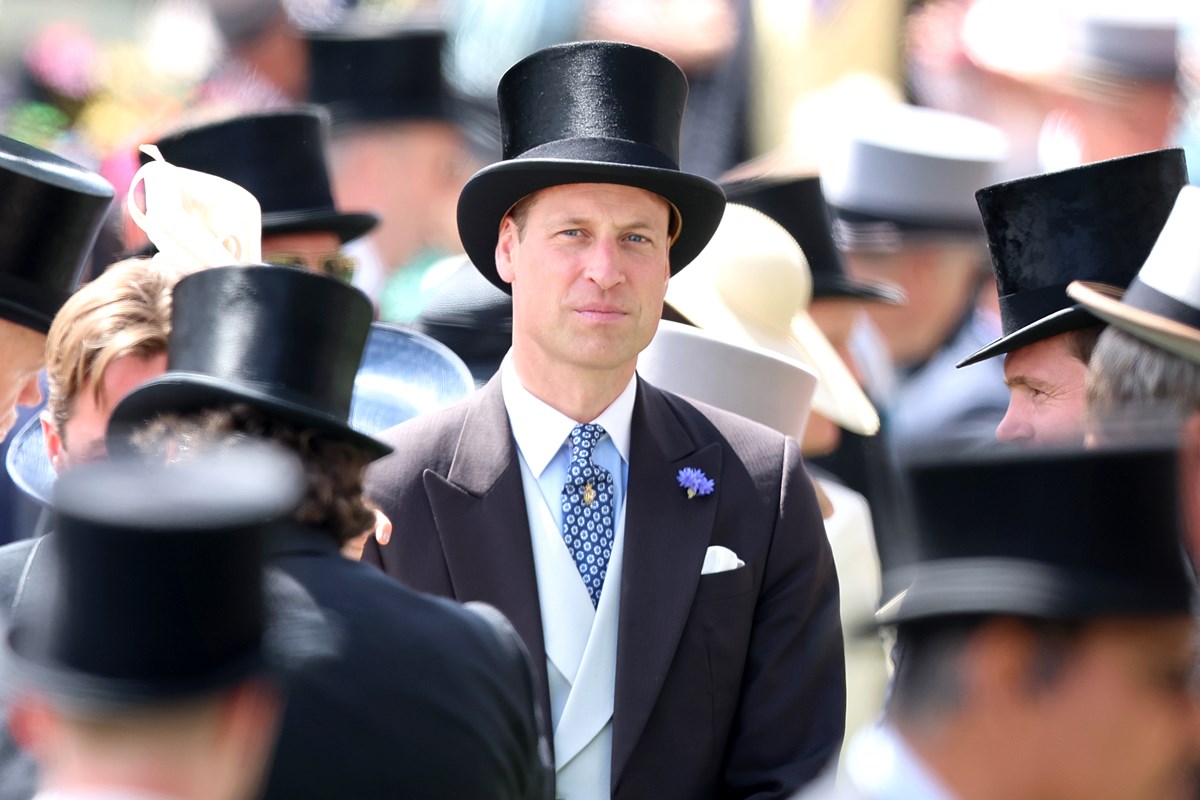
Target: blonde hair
x,y
126,311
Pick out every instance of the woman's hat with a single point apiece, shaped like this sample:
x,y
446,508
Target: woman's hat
x,y
589,112
1097,222
751,286
283,340
1162,304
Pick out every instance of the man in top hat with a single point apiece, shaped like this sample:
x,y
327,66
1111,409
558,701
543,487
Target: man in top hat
x,y
1038,658
278,156
53,210
1097,223
665,564
425,698
901,194
143,661
396,148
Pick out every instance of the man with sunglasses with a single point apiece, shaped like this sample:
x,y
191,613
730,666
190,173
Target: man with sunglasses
x,y
278,156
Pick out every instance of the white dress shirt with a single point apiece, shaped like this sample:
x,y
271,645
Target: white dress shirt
x,y
881,766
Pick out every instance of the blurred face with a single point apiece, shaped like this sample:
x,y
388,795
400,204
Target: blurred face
x,y
1120,720
315,251
588,277
22,354
1048,399
82,438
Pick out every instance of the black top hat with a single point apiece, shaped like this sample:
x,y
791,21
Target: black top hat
x,y
277,156
380,76
589,112
799,206
1096,223
1066,534
52,212
284,340
471,317
153,585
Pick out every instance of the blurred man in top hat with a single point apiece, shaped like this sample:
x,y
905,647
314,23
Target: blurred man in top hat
x,y
396,149
900,191
1096,222
665,564
425,698
142,666
53,212
1039,659
277,156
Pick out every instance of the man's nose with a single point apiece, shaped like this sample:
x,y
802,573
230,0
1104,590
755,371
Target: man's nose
x,y
603,263
1015,427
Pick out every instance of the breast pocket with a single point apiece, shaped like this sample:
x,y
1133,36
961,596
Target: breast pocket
x,y
722,585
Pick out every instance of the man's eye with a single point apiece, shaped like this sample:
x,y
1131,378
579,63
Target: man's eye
x,y
637,238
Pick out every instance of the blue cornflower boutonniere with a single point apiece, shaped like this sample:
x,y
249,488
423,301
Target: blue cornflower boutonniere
x,y
695,482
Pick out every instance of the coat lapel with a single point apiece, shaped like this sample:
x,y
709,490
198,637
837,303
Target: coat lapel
x,y
666,537
479,511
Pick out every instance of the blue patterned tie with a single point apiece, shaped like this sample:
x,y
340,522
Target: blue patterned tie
x,y
587,507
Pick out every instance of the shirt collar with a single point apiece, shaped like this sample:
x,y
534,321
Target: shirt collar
x,y
884,767
540,430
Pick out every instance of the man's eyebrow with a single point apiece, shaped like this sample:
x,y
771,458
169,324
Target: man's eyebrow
x,y
1025,380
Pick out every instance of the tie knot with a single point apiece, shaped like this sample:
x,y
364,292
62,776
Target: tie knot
x,y
583,441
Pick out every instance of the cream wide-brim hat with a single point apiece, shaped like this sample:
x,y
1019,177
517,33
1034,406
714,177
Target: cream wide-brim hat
x,y
751,286
1162,304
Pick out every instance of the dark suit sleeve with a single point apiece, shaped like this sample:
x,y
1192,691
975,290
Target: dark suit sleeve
x,y
791,716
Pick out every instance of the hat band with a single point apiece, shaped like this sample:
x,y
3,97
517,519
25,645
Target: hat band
x,y
619,152
858,230
1027,306
1145,297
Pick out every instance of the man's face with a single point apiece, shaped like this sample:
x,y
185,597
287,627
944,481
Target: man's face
x,y
1120,720
588,276
82,438
315,251
22,355
1046,382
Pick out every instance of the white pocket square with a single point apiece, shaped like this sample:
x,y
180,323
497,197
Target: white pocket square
x,y
720,559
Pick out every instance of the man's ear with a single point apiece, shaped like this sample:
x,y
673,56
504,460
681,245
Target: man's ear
x,y
506,247
54,442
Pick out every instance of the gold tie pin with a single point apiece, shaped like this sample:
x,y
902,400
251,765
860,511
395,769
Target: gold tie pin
x,y
589,494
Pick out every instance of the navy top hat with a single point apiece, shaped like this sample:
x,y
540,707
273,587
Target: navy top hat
x,y
153,585
277,156
799,206
52,212
588,112
380,76
1066,534
284,340
1094,223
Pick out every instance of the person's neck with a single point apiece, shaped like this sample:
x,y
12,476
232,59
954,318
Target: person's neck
x,y
952,754
579,393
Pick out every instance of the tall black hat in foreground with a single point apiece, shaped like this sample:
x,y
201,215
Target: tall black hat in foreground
x,y
1093,223
277,156
283,340
1058,534
52,211
589,112
156,588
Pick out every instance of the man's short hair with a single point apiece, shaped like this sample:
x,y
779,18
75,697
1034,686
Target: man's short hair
x,y
1127,373
1082,342
126,311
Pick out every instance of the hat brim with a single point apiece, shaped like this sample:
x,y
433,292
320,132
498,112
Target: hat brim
x,y
296,633
347,227
836,287
1000,586
495,189
184,392
1062,321
1106,303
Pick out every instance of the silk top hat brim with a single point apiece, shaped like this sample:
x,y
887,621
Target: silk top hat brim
x,y
1107,303
403,374
751,286
1097,223
589,112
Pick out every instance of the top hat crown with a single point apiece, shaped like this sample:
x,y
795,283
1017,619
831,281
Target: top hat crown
x,y
589,112
281,339
1068,534
151,587
1097,222
279,157
798,204
378,76
53,210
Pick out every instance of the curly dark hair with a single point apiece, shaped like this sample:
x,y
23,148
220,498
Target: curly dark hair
x,y
333,469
